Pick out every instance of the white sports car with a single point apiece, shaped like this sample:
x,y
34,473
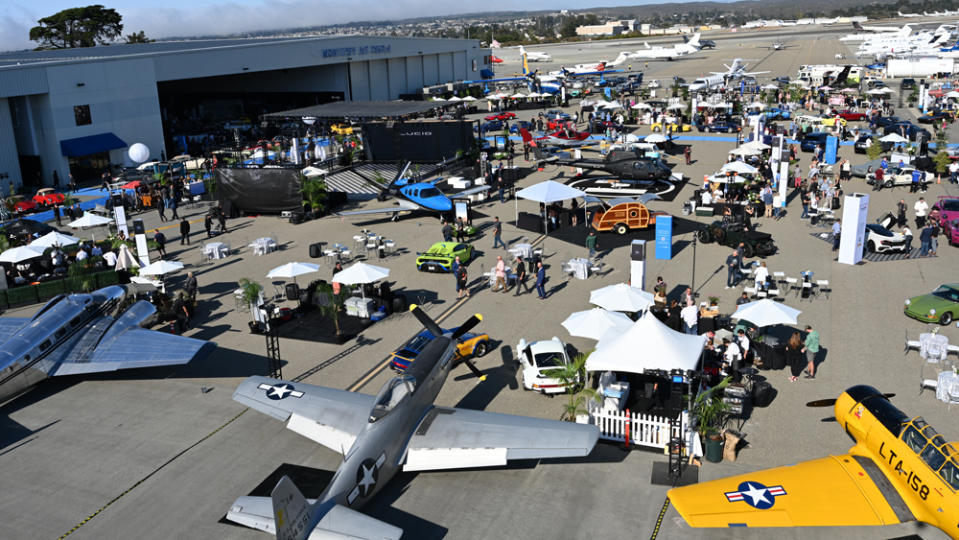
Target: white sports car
x,y
538,358
881,240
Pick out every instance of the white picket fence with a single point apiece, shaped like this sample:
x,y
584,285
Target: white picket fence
x,y
644,429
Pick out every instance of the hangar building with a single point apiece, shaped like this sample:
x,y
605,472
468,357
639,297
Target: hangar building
x,y
77,110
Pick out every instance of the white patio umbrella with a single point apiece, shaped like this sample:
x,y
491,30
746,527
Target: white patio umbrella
x,y
770,87
54,238
518,95
739,167
612,105
291,270
361,273
723,179
469,98
676,107
758,145
546,192
595,323
755,105
455,98
656,138
766,312
160,268
621,297
642,105
89,220
952,94
21,253
125,259
894,138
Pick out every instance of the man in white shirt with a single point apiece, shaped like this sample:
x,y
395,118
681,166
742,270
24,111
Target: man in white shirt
x,y
954,172
921,208
82,254
743,340
732,351
761,275
707,198
690,317
110,258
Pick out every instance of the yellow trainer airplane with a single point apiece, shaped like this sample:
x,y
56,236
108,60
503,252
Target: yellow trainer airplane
x,y
900,470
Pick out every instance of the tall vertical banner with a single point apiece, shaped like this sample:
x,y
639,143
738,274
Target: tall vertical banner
x,y
832,147
120,217
783,178
664,237
853,232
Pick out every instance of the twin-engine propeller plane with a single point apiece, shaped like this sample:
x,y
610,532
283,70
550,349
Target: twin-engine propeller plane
x,y
398,429
411,196
900,470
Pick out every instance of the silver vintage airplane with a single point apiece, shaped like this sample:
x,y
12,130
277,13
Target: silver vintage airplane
x,y
86,333
398,429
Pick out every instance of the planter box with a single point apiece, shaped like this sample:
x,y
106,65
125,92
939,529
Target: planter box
x,y
19,296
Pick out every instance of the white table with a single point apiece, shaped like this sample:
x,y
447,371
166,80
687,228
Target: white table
x,y
580,268
216,250
491,275
145,284
933,347
948,388
262,246
522,250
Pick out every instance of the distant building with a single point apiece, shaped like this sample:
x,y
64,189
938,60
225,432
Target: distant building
x,y
611,28
78,110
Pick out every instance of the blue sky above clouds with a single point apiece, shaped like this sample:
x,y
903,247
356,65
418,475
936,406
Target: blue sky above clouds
x,y
198,17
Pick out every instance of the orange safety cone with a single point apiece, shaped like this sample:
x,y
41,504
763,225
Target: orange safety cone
x,y
938,178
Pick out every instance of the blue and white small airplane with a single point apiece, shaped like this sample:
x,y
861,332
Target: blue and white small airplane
x,y
411,196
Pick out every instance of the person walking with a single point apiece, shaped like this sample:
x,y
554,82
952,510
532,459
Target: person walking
x,y
461,282
221,216
540,280
520,272
901,213
732,269
172,204
591,243
688,154
184,232
836,230
811,349
160,240
56,212
794,357
161,208
497,233
190,287
499,272
208,224
908,236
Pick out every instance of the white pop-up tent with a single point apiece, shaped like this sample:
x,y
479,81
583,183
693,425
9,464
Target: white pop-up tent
x,y
546,192
647,345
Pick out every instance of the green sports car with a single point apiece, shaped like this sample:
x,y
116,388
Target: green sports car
x,y
941,305
439,258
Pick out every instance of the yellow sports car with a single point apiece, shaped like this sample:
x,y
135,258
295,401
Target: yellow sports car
x,y
831,121
671,127
475,345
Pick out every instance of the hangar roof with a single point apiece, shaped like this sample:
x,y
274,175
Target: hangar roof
x,y
360,109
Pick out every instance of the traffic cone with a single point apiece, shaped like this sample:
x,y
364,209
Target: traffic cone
x,y
939,178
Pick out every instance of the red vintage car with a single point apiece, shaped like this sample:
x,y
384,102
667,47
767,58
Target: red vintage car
x,y
950,228
20,204
506,115
48,197
850,116
948,208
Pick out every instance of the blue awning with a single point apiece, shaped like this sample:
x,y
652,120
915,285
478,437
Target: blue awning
x,y
91,144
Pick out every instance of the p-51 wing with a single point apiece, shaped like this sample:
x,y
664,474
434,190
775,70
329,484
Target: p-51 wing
x,y
847,490
450,438
328,416
403,205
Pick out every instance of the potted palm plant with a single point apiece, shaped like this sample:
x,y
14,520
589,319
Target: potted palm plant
x,y
252,295
333,305
708,410
573,377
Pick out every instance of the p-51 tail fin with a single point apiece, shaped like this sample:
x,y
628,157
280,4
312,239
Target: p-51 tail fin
x,y
292,515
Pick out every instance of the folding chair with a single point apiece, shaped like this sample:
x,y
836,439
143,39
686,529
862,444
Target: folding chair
x,y
807,285
751,291
279,290
773,293
779,277
822,287
924,383
911,344
793,284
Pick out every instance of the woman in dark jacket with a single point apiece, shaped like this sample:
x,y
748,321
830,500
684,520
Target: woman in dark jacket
x,y
672,318
794,357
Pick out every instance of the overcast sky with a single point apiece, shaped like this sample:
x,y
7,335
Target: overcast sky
x,y
204,17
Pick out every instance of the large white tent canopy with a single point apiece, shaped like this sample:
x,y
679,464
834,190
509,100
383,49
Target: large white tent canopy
x,y
647,345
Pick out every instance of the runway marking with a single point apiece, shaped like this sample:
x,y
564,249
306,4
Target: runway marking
x,y
659,520
148,476
377,369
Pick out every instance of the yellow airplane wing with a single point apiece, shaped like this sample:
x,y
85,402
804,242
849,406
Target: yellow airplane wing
x,y
846,490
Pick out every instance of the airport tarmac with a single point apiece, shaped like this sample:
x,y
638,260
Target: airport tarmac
x,y
164,453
